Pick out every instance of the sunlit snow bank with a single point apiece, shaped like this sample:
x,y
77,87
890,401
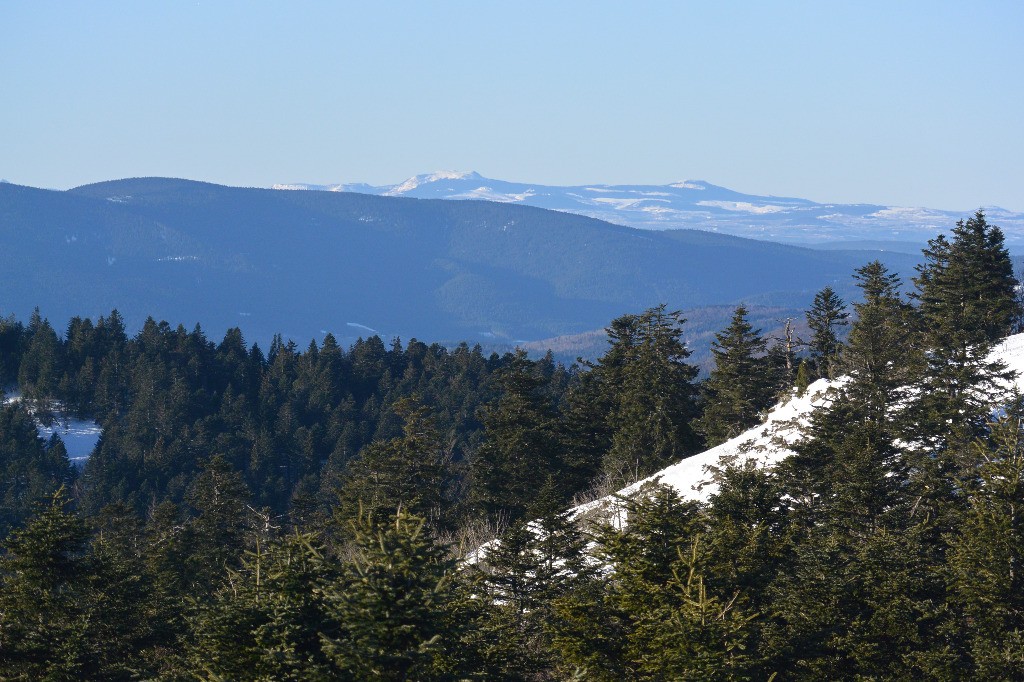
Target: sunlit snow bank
x,y
768,443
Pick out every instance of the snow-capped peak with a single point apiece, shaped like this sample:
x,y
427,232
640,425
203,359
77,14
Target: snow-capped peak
x,y
418,180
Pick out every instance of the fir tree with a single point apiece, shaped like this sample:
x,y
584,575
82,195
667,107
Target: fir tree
x,y
967,295
740,386
520,446
524,573
825,318
398,606
269,620
694,634
215,536
650,391
43,597
410,472
986,552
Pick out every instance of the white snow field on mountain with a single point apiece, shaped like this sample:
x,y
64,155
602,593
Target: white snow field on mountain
x,y
767,444
697,204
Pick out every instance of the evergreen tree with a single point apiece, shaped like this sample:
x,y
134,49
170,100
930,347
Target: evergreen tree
x,y
826,316
411,472
649,388
269,620
400,610
215,535
44,601
520,447
523,574
740,386
29,470
692,633
42,361
986,552
882,354
605,624
967,294
849,466
834,615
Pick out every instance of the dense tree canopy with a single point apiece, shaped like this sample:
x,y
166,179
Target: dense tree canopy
x,y
399,511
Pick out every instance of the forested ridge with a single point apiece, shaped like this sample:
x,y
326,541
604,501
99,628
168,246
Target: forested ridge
x,y
318,514
433,269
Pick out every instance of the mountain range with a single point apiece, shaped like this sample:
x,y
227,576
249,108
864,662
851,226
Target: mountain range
x,y
305,263
696,204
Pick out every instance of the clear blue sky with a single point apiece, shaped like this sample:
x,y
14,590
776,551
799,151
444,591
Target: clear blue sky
x,y
908,103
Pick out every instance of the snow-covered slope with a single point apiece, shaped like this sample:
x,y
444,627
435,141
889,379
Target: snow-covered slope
x,y
699,205
767,444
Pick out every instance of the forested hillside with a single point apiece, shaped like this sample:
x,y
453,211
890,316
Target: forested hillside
x,y
437,270
308,513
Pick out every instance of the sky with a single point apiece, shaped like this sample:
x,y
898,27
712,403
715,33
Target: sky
x,y
900,103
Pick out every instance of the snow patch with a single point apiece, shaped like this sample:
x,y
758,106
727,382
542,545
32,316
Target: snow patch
x,y
417,180
79,435
488,194
769,443
907,213
744,206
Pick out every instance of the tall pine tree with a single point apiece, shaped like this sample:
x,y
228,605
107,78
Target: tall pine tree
x,y
825,318
740,386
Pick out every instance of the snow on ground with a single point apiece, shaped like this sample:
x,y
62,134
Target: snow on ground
x,y
743,206
79,435
767,444
1011,352
488,194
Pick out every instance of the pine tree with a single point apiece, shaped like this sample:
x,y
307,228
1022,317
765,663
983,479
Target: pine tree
x,y
520,448
398,606
47,607
740,386
269,620
826,316
411,472
649,388
967,295
986,552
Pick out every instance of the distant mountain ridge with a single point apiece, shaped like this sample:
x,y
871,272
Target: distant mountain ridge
x,y
305,263
696,204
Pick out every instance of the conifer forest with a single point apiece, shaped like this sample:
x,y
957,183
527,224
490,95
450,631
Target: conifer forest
x,y
401,511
